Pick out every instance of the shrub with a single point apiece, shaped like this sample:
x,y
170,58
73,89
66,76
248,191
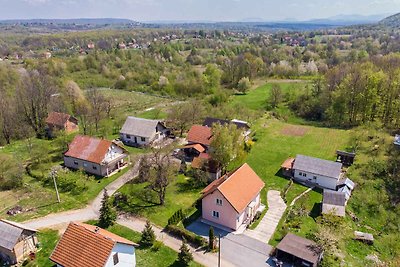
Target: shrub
x,y
211,239
148,235
192,238
107,213
184,256
176,217
157,246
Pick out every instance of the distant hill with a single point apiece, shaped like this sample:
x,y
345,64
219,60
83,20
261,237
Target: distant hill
x,y
79,21
391,21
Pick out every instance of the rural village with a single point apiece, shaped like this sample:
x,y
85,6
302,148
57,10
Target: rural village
x,y
240,144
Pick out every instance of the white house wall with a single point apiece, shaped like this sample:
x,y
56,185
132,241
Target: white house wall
x,y
126,256
321,181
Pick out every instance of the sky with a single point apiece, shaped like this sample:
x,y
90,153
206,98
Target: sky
x,y
193,10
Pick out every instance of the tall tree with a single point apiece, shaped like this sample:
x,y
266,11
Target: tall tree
x,y
227,144
34,93
161,172
98,105
108,215
275,96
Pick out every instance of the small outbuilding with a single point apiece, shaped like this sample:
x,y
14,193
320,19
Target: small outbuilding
x,y
346,158
287,167
364,237
299,251
334,202
142,132
57,121
17,242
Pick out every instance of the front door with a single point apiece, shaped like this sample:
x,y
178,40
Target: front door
x,y
135,140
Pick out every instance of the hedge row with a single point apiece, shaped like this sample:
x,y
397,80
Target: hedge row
x,y
190,237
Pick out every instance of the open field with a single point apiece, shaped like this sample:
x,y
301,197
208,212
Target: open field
x,y
256,99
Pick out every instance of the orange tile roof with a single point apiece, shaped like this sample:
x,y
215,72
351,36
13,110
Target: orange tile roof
x,y
288,164
58,119
200,134
81,246
88,148
198,147
239,188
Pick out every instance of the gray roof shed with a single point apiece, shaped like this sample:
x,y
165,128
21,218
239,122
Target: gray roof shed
x,y
10,233
334,198
318,166
140,127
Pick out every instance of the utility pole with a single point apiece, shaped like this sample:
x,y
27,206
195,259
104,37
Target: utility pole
x,y
219,250
54,174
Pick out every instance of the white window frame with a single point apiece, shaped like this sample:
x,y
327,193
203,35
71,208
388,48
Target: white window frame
x,y
218,201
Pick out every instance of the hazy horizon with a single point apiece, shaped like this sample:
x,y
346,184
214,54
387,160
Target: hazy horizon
x,y
194,10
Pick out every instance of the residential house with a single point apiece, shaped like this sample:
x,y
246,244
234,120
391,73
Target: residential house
x,y
86,245
95,156
17,242
298,251
61,122
317,172
142,132
334,202
233,200
199,134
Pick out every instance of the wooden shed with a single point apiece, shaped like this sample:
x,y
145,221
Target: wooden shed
x,y
299,251
17,242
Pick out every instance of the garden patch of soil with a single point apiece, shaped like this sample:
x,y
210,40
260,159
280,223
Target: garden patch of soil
x,y
294,130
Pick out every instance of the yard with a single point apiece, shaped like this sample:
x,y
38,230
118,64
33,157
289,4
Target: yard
x,y
145,257
142,201
37,195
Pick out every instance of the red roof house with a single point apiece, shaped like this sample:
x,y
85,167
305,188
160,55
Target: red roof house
x,y
234,199
61,122
96,156
84,245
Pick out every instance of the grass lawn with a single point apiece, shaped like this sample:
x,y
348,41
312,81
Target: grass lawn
x,y
145,257
143,202
277,140
256,99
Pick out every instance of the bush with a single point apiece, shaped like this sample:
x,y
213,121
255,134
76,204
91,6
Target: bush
x,y
148,235
157,246
176,217
184,256
192,238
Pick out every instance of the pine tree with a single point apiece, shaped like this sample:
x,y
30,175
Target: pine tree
x,y
148,236
184,256
211,239
107,213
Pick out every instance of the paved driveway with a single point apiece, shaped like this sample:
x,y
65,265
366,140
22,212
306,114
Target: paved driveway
x,y
240,250
266,228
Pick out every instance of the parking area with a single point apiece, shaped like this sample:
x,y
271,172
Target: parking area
x,y
239,249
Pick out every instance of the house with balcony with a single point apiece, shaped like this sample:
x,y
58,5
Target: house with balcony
x,y
95,156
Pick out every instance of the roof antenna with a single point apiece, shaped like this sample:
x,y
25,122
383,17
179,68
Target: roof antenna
x,y
97,229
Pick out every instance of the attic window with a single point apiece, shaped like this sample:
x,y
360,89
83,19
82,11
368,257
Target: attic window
x,y
219,202
115,258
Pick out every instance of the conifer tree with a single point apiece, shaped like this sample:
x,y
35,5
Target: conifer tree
x,y
148,235
184,256
107,213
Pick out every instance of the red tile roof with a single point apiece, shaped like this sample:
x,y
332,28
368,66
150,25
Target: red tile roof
x,y
197,147
239,187
58,119
88,148
200,135
82,246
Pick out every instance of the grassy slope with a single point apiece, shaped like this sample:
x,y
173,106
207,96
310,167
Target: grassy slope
x,y
41,200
